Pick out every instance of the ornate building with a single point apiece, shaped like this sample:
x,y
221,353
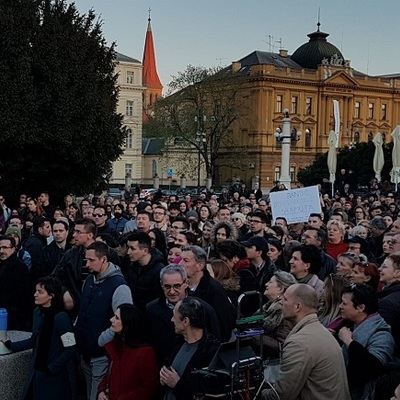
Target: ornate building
x,y
128,168
307,83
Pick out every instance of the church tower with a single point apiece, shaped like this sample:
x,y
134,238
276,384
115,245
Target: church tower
x,y
150,80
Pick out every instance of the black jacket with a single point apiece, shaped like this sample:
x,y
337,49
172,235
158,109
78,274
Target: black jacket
x,y
162,329
16,293
144,281
50,257
214,294
34,246
208,346
389,309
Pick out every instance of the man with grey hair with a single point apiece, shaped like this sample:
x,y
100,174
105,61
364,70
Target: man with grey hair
x,y
174,282
194,259
312,365
378,229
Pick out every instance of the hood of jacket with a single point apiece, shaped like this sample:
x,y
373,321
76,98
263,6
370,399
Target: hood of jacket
x,y
112,270
233,232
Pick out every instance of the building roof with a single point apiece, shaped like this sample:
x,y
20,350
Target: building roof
x,y
124,58
152,146
311,54
263,57
150,75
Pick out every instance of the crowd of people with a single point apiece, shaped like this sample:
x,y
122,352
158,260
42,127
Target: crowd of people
x,y
125,297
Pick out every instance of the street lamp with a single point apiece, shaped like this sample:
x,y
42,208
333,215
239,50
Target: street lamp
x,y
200,138
284,136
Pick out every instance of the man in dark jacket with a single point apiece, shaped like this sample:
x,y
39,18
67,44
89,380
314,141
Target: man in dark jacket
x,y
35,243
196,352
159,312
15,289
143,274
205,287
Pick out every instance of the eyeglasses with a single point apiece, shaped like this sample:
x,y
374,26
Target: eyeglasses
x,y
253,221
308,236
158,213
176,286
177,227
6,247
98,215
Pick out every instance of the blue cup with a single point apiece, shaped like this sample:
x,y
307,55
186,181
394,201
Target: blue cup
x,y
3,319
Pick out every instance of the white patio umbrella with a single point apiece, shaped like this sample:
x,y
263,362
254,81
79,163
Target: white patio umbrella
x,y
332,158
379,159
395,172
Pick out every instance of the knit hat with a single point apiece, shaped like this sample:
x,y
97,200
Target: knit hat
x,y
192,214
13,230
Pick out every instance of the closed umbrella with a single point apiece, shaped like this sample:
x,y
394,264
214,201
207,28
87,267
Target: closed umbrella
x,y
395,172
332,158
379,159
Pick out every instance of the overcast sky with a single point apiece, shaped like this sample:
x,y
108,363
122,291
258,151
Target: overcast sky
x,y
217,32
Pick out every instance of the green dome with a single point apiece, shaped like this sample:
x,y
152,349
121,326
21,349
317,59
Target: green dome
x,y
310,55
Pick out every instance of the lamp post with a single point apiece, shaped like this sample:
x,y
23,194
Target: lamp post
x,y
200,138
284,136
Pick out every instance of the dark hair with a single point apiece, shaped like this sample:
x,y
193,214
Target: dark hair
x,y
278,230
190,237
192,309
38,222
261,215
89,224
161,243
315,215
144,212
371,270
60,221
53,286
311,255
321,234
132,334
363,294
183,220
230,248
142,238
104,208
10,238
100,249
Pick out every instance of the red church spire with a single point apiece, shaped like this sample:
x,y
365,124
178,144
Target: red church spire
x,y
150,79
150,76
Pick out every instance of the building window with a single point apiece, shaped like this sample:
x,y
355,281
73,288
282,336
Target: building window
x,y
370,136
153,168
308,105
130,77
357,109
308,139
129,108
357,137
128,170
383,137
384,111
277,174
370,110
295,101
292,174
129,139
279,103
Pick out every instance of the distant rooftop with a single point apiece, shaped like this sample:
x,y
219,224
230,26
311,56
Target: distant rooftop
x,y
124,58
152,146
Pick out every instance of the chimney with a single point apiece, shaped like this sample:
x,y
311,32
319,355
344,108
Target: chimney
x,y
283,53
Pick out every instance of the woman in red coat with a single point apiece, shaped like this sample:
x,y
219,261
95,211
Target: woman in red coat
x,y
132,372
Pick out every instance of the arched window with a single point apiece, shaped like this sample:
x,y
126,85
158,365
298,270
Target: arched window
x,y
357,137
154,168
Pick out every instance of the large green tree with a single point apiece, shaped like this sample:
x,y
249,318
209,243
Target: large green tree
x,y
358,158
199,112
59,127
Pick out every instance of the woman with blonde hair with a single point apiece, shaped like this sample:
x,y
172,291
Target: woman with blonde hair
x,y
346,262
335,244
331,298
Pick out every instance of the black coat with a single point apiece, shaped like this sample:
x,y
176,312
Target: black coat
x,y
144,281
202,357
16,293
54,383
162,329
34,245
50,257
214,294
389,309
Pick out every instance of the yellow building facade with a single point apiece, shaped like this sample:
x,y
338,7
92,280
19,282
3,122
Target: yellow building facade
x,y
307,84
128,168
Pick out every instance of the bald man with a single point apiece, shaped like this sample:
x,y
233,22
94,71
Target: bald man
x,y
312,364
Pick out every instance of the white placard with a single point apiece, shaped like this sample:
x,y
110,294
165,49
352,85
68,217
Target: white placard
x,y
295,205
